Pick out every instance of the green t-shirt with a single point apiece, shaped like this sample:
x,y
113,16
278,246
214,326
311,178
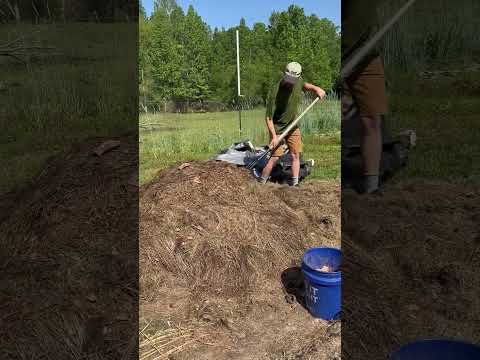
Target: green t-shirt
x,y
359,21
282,106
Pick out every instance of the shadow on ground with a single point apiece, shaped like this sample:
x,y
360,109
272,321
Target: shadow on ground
x,y
294,285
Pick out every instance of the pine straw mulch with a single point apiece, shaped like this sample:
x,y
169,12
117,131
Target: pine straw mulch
x,y
69,257
411,264
213,246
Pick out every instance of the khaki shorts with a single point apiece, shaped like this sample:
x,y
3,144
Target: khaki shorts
x,y
294,143
367,89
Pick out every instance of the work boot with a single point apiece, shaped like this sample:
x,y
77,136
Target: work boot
x,y
262,180
369,185
361,190
258,176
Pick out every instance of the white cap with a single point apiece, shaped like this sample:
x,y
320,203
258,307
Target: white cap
x,y
294,69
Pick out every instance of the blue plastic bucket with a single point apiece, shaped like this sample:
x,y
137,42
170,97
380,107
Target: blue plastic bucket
x,y
323,289
437,349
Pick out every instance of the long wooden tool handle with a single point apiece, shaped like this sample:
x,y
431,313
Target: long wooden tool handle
x,y
295,122
358,56
268,152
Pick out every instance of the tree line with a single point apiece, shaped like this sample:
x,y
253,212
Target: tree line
x,y
45,11
182,59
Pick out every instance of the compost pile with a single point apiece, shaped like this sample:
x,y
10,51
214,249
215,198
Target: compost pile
x,y
69,256
421,237
211,228
213,246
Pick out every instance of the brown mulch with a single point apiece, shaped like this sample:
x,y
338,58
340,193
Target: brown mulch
x,y
412,259
212,229
213,246
69,257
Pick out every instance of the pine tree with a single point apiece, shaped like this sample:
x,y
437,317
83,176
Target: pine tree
x,y
165,57
196,54
144,61
222,65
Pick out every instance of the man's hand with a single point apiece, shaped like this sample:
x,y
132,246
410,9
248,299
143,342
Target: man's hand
x,y
273,142
320,93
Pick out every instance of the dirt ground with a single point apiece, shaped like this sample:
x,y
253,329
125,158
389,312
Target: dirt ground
x,y
411,258
219,257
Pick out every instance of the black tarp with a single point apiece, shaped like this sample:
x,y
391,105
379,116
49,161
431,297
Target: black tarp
x,y
243,153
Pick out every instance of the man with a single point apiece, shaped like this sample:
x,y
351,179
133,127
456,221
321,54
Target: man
x,y
366,86
282,108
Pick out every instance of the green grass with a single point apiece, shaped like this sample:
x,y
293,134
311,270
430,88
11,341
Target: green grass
x,y
169,138
443,111
84,87
446,32
444,114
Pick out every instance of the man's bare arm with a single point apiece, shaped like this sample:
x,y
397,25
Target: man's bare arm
x,y
271,128
271,131
317,90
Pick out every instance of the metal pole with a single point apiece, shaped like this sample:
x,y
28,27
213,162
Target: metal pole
x,y
144,95
238,81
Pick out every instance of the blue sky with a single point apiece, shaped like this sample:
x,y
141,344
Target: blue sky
x,y
227,13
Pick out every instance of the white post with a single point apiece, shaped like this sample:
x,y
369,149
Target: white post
x,y
238,81
238,63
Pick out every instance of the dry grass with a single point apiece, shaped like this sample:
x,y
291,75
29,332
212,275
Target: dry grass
x,y
165,343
